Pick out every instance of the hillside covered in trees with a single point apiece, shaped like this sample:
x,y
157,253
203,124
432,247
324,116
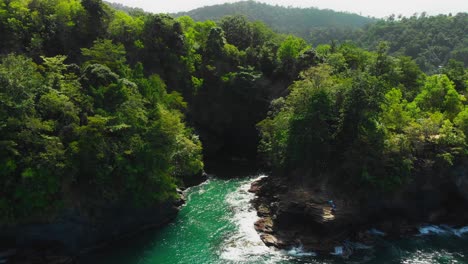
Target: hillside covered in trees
x,y
94,102
301,22
104,111
79,123
431,40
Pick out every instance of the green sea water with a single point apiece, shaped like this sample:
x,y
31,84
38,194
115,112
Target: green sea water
x,y
216,226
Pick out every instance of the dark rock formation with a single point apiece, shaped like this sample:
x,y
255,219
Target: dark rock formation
x,y
78,231
299,213
75,233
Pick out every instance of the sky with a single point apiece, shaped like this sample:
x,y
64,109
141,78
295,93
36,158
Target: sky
x,y
374,8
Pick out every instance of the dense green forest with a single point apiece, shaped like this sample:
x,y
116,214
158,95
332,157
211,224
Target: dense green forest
x,y
98,105
369,120
94,101
302,22
79,123
431,40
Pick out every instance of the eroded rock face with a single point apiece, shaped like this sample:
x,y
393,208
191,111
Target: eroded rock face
x,y
294,214
269,240
78,231
264,225
74,232
300,217
461,181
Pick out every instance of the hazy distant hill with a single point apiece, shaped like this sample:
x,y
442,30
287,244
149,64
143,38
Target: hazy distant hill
x,y
130,10
431,40
298,21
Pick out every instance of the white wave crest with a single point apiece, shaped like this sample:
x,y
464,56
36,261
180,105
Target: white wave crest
x,y
339,251
432,230
443,230
299,252
376,232
460,232
245,245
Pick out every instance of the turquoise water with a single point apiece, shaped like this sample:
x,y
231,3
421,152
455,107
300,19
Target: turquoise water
x,y
216,226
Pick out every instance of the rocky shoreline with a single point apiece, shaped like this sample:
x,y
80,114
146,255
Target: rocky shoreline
x,y
63,243
300,215
74,234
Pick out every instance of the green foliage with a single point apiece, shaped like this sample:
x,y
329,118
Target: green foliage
x,y
456,71
106,53
307,23
238,31
291,48
439,94
394,111
431,40
367,119
215,44
301,120
110,137
32,155
462,120
92,111
124,25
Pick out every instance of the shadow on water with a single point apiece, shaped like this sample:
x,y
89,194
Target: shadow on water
x,y
229,168
128,250
216,226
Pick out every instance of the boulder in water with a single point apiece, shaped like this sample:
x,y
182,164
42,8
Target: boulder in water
x,y
270,240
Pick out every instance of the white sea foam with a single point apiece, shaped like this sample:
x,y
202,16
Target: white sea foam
x,y
245,243
376,232
462,231
432,230
299,252
339,251
443,230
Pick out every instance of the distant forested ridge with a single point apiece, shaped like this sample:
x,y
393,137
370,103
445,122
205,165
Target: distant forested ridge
x,y
301,22
127,9
431,40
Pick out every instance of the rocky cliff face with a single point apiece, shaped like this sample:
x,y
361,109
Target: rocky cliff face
x,y
299,213
75,232
460,179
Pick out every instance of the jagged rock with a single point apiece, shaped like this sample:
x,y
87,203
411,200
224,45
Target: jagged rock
x,y
461,181
255,187
294,211
264,225
179,202
269,240
75,232
263,210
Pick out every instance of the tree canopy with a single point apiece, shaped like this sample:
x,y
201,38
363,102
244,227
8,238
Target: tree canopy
x,y
100,106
